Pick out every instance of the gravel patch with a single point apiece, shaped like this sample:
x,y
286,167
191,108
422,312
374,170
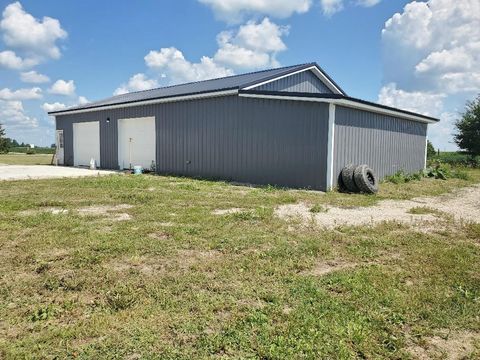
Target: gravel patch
x,y
462,205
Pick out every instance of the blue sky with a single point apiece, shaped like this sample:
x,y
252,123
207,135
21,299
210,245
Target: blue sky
x,y
54,54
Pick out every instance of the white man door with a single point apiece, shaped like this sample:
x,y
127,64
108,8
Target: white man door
x,y
136,142
60,154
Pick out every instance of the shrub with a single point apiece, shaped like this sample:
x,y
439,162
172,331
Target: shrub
x,y
30,152
401,177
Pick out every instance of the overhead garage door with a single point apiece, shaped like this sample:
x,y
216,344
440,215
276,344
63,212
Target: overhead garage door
x,y
86,143
136,142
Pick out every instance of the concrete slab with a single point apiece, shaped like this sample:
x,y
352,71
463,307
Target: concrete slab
x,y
26,172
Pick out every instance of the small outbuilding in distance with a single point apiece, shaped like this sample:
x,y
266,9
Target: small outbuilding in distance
x,y
292,126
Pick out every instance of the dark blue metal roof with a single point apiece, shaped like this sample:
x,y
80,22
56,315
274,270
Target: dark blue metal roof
x,y
221,84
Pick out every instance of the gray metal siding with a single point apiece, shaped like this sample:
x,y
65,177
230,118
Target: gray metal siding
x,y
387,144
233,138
305,81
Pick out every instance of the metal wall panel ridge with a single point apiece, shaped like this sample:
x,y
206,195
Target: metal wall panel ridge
x,y
387,144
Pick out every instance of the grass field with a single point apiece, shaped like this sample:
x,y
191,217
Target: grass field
x,y
24,159
127,267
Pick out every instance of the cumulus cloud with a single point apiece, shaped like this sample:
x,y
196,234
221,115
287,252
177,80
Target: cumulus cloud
x,y
430,104
137,82
252,46
47,107
432,56
13,116
430,44
21,94
10,60
172,61
36,37
62,87
235,11
34,77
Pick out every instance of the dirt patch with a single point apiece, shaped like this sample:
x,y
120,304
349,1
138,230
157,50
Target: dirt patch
x,y
146,265
463,204
227,211
326,267
111,212
153,265
446,345
159,235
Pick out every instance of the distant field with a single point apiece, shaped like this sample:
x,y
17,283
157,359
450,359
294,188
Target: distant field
x,y
456,158
38,150
23,159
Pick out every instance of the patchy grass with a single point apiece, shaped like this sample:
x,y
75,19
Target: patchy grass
x,y
24,159
424,210
317,208
185,276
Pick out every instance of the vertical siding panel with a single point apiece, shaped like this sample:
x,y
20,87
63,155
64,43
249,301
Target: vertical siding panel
x,y
385,143
248,140
305,81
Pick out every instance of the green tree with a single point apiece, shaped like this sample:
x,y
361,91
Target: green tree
x,y
3,140
431,152
468,128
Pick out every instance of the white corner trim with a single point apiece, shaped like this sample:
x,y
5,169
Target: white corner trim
x,y
331,145
150,102
346,103
315,70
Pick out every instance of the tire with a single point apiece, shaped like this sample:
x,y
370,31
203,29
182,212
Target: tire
x,y
365,179
347,178
340,185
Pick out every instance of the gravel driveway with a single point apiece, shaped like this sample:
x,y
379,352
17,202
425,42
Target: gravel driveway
x,y
25,172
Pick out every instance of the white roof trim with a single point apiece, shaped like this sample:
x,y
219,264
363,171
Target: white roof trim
x,y
148,102
346,103
315,70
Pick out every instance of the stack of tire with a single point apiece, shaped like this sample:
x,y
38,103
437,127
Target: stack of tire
x,y
358,179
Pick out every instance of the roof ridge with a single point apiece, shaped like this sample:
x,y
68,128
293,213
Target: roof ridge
x,y
217,78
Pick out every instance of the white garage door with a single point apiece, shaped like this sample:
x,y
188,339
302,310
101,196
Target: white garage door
x,y
86,143
136,142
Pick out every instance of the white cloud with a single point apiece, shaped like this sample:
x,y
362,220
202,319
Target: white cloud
x,y
417,101
137,82
21,94
368,3
36,37
47,107
432,54
10,60
13,116
62,87
430,44
179,69
331,7
34,77
235,11
252,46
82,100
